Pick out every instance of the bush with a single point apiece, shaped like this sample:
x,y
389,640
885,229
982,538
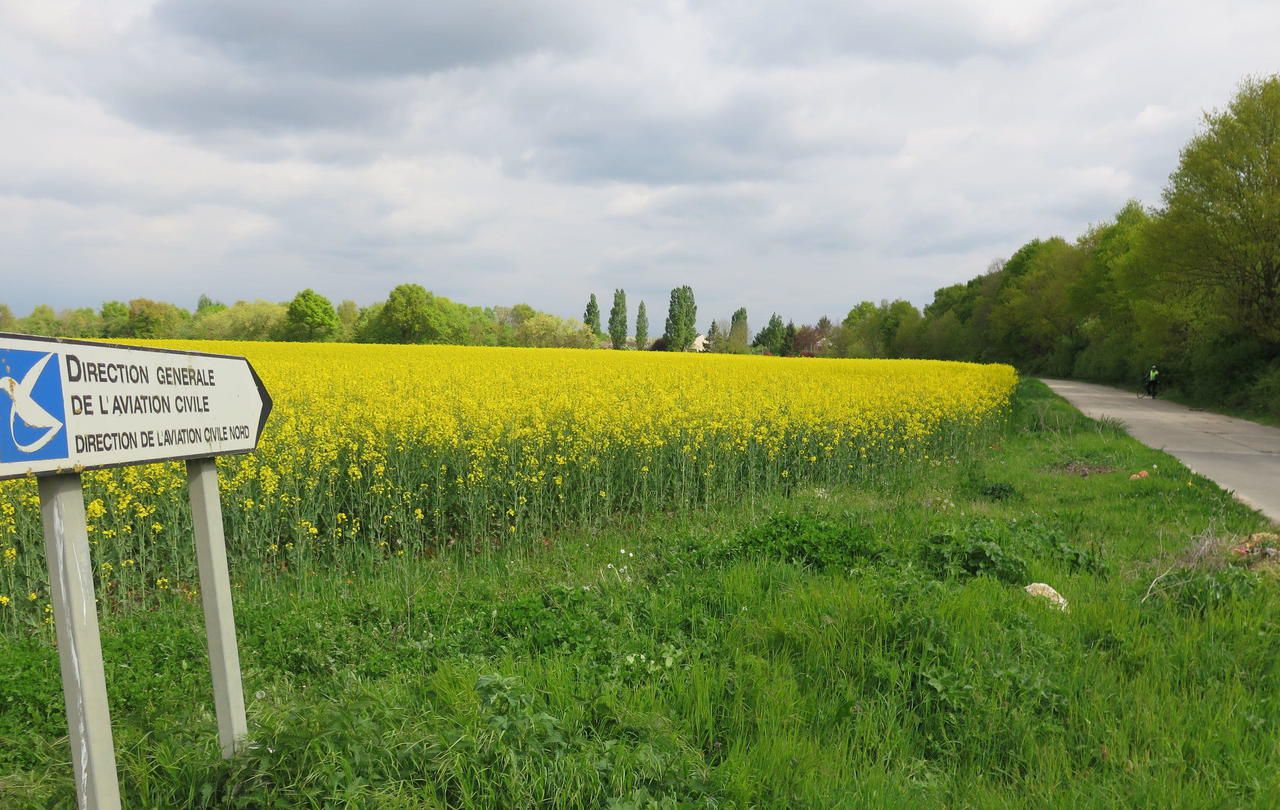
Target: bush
x,y
1197,591
972,553
808,540
1264,394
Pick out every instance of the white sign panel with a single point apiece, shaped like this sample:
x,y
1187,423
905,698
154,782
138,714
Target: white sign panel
x,y
71,405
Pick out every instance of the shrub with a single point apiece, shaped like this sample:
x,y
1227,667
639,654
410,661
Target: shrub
x,y
808,540
972,553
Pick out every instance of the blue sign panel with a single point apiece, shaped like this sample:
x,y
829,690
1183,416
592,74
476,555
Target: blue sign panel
x,y
32,416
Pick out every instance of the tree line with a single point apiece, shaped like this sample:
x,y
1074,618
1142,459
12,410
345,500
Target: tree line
x,y
1191,286
410,314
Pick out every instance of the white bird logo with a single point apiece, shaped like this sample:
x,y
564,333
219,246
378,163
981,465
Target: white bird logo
x,y
27,409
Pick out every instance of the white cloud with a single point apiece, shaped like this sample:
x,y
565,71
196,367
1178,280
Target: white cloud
x,y
792,157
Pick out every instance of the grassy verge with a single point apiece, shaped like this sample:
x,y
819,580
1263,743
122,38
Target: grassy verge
x,y
835,648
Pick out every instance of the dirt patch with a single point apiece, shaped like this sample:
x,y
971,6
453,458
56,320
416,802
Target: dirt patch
x,y
1260,550
1084,469
1213,567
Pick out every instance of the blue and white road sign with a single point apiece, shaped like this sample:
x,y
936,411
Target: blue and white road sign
x,y
72,405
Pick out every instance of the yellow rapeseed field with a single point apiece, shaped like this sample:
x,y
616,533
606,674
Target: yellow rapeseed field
x,y
404,449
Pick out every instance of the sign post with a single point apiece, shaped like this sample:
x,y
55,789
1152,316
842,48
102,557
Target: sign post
x,y
68,406
75,618
215,594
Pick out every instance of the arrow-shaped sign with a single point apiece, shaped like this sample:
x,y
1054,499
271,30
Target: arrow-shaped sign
x,y
69,405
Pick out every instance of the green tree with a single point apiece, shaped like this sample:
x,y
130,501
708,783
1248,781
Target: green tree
x,y
84,322
8,322
409,316
618,320
887,330
507,322
155,319
854,336
243,320
548,331
682,319
522,312
311,317
716,338
42,321
772,336
642,328
591,317
739,333
1032,323
789,340
348,314
1104,298
369,325
207,306
1219,232
115,319
944,337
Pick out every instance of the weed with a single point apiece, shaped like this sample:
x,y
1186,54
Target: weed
x,y
1000,491
973,553
809,540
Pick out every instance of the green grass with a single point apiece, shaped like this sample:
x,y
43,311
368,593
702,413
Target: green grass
x,y
834,648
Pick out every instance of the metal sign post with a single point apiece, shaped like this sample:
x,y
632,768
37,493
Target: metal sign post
x,y
215,593
75,617
68,406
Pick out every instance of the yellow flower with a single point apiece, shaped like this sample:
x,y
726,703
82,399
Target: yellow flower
x,y
529,439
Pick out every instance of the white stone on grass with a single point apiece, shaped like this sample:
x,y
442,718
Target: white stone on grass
x,y
1047,592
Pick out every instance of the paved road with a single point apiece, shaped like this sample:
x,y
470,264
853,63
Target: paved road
x,y
1240,455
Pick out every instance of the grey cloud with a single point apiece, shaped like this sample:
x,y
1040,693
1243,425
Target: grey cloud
x,y
948,241
273,68
218,102
653,152
805,31
587,136
378,38
712,204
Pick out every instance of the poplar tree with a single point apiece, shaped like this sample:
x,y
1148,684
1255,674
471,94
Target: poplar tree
x,y
618,320
682,319
592,315
739,335
642,328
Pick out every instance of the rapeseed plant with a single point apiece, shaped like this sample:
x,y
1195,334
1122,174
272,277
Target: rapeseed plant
x,y
375,451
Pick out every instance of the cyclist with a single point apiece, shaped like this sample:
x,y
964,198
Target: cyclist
x,y
1153,380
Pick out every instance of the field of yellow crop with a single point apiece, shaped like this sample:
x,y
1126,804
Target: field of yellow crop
x,y
392,450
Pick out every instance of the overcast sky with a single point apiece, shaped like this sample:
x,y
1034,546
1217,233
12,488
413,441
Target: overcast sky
x,y
794,156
